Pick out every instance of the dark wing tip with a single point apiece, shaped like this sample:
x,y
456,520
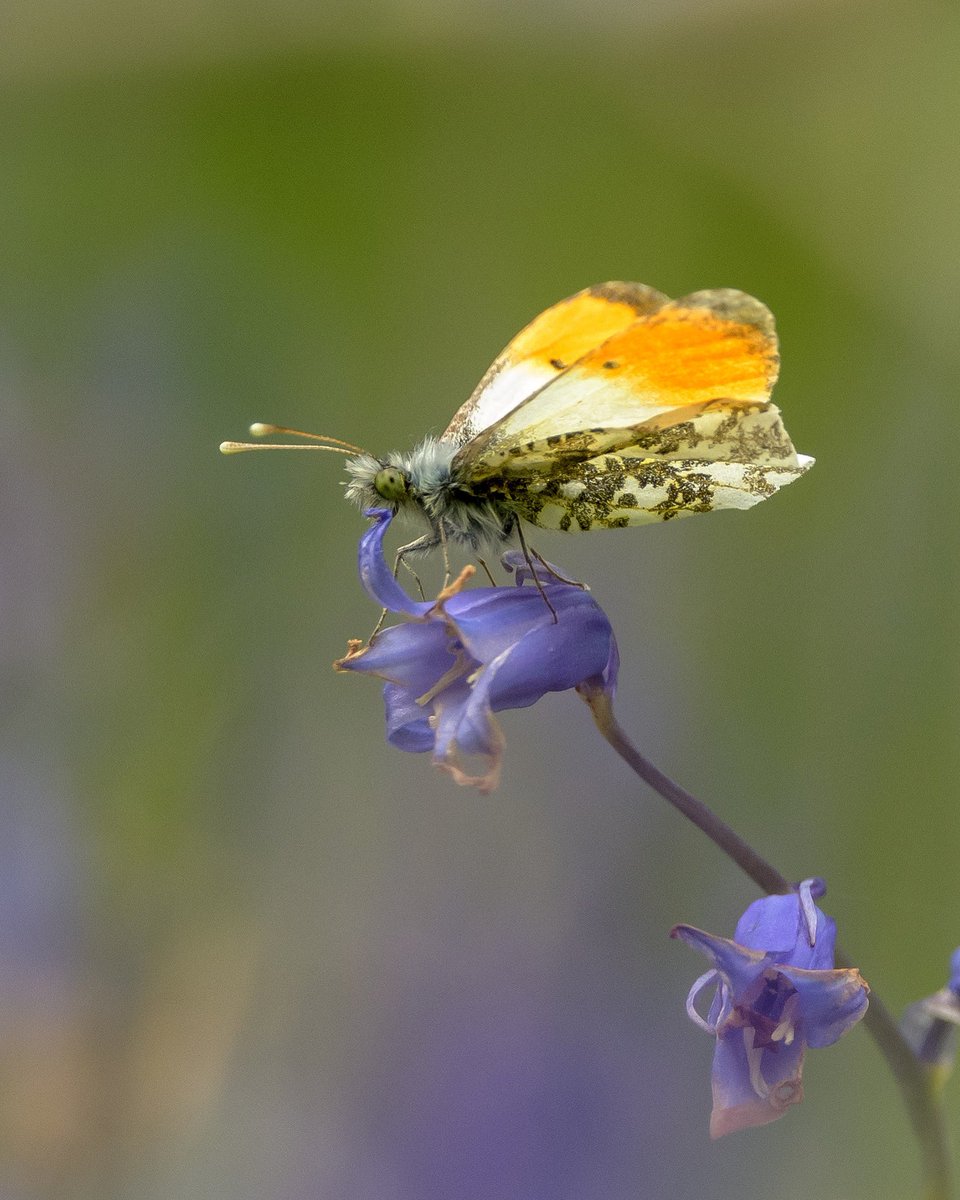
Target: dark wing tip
x,y
642,299
730,304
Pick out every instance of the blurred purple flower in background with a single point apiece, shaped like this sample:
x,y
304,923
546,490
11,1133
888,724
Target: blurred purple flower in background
x,y
474,652
777,993
930,1025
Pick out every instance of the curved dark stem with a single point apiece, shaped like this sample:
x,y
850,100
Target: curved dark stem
x,y
919,1096
918,1091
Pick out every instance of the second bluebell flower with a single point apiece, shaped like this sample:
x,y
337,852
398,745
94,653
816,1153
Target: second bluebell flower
x,y
777,992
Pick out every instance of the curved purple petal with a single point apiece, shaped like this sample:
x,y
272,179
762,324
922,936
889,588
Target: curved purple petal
x,y
376,577
743,1099
417,656
770,924
523,569
551,658
460,731
739,967
465,730
408,723
829,1002
776,924
818,957
491,620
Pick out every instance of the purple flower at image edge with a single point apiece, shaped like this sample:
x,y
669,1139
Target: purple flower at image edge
x,y
931,1025
777,992
473,652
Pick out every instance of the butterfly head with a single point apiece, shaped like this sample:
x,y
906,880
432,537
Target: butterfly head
x,y
374,482
421,478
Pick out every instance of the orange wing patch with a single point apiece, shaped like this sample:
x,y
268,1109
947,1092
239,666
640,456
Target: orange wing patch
x,y
569,330
688,353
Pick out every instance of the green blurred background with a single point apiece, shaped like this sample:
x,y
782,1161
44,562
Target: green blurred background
x,y
247,949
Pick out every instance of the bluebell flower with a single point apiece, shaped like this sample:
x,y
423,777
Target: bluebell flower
x,y
473,652
930,1025
777,993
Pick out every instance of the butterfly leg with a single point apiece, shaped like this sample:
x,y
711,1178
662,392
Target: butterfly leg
x,y
442,536
427,542
533,572
400,562
555,573
486,570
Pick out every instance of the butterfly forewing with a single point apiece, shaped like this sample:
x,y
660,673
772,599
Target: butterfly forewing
x,y
547,347
664,367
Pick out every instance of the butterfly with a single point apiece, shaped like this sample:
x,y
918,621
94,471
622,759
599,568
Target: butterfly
x,y
615,407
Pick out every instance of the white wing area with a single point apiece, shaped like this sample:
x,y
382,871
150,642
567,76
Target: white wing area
x,y
503,390
548,346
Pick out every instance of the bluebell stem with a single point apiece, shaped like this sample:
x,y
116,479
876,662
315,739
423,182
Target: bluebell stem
x,y
777,992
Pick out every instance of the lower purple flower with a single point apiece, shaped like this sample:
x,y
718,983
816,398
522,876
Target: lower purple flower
x,y
777,993
475,652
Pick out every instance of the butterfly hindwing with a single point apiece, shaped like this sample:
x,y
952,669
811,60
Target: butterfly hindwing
x,y
614,491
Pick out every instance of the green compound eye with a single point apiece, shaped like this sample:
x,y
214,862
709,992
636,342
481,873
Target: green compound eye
x,y
391,484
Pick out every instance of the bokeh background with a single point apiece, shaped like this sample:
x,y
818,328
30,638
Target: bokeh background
x,y
249,951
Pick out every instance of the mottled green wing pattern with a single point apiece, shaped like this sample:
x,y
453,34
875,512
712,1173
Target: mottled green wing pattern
x,y
614,491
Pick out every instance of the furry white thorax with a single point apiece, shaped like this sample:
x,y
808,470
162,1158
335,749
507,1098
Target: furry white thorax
x,y
433,492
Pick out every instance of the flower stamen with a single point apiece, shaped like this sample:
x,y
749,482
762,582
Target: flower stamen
x,y
754,1061
809,910
460,668
785,1031
458,584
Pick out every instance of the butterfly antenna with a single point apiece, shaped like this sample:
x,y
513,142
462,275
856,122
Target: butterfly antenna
x,y
322,441
260,430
